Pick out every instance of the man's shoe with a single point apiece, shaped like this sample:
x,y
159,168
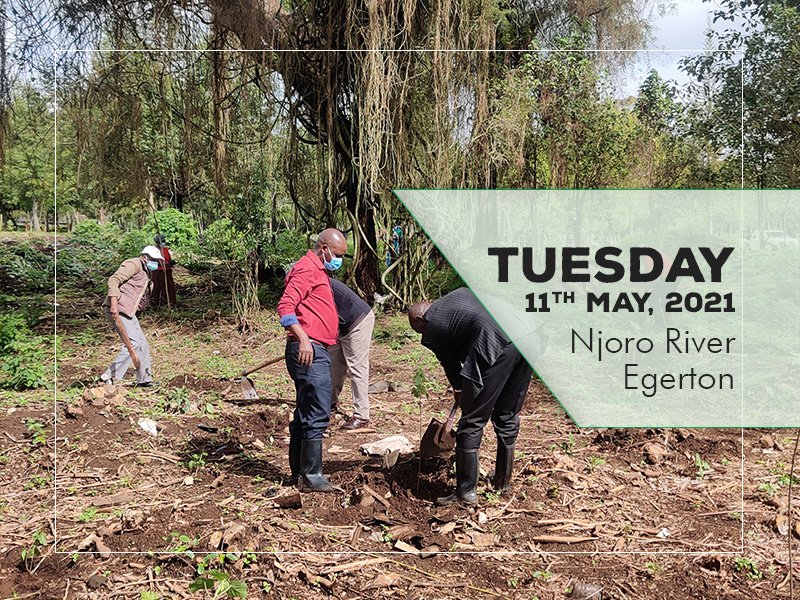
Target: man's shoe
x,y
147,384
503,468
311,478
466,480
354,423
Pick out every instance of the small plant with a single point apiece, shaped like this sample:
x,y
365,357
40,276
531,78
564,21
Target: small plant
x,y
36,482
702,468
543,575
88,514
184,543
147,595
266,587
176,401
221,583
652,568
594,462
513,582
747,566
387,538
785,478
421,384
197,462
35,549
491,496
568,446
768,488
36,432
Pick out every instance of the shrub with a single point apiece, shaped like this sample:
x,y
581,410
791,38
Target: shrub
x,y
23,358
132,243
223,241
289,246
99,235
25,268
179,228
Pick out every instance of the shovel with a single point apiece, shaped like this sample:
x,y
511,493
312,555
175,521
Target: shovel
x,y
248,388
439,438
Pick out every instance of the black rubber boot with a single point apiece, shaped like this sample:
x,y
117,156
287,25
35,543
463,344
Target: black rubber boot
x,y
503,468
466,479
311,478
294,456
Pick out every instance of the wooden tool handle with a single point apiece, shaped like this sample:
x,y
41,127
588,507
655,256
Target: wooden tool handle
x,y
266,363
123,333
448,425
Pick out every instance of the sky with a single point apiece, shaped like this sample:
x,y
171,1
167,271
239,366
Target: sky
x,y
676,34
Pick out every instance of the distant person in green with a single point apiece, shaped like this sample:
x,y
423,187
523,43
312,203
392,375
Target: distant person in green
x,y
129,290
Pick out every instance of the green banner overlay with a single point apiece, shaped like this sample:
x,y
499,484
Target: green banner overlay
x,y
648,308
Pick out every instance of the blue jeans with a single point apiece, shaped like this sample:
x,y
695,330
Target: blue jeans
x,y
312,385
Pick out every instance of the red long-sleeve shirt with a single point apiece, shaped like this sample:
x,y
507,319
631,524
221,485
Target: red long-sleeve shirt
x,y
308,300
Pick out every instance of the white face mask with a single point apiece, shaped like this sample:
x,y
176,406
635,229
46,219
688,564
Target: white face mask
x,y
152,265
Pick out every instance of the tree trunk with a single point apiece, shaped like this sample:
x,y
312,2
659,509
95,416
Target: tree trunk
x,y
5,99
221,112
365,264
34,220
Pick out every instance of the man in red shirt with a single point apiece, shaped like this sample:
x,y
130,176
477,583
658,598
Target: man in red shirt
x,y
308,313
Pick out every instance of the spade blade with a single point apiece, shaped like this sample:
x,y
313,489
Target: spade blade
x,y
248,389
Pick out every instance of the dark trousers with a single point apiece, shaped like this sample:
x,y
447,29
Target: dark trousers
x,y
163,293
505,384
312,385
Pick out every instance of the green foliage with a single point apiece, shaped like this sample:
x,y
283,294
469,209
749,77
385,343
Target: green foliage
x,y
25,268
182,543
221,240
88,514
196,462
24,361
702,468
420,384
132,242
38,541
288,246
180,229
222,585
96,234
177,400
37,432
748,567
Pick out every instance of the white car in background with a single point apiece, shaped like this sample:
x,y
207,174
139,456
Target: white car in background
x,y
773,239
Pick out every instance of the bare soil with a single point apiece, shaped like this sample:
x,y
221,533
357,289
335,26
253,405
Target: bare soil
x,y
638,513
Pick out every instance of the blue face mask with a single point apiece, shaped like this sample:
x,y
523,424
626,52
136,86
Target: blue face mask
x,y
334,263
152,265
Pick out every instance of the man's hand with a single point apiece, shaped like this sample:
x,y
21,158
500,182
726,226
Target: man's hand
x,y
114,307
305,354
